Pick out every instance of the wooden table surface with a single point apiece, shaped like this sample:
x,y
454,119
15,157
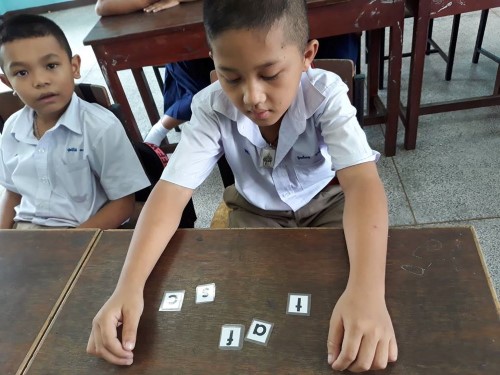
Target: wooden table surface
x,y
133,41
36,269
439,296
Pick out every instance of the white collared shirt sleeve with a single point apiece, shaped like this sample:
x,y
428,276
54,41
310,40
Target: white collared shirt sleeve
x,y
200,146
345,139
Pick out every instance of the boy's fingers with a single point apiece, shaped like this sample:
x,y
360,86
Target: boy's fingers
x,y
129,330
393,350
103,352
334,342
106,339
366,354
350,347
381,355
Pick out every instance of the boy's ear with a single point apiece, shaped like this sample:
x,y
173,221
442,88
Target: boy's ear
x,y
310,53
75,66
4,80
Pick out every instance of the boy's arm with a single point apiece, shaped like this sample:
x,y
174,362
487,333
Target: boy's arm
x,y
8,200
361,335
113,7
112,214
157,223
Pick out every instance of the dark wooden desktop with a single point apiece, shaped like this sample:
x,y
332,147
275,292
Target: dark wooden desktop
x,y
36,269
424,11
137,40
445,315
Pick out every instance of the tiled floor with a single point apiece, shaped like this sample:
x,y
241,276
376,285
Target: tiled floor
x,y
452,178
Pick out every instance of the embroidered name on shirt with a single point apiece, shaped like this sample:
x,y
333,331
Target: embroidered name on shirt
x,y
303,157
72,149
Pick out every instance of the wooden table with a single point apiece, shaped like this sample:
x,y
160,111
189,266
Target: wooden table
x,y
424,11
36,270
438,294
137,40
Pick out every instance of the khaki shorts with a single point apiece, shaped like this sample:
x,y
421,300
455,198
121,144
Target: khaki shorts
x,y
24,225
324,210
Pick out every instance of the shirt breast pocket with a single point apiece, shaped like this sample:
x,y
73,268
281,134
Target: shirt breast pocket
x,y
74,179
312,169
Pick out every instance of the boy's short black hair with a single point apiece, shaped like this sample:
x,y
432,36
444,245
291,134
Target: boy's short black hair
x,y
24,26
224,15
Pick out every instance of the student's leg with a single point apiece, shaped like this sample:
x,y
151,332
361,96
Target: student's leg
x,y
245,215
326,209
339,47
159,130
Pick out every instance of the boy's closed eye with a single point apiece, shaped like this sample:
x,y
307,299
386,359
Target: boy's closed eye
x,y
264,77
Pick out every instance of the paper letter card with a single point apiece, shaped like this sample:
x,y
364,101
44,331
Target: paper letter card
x,y
299,304
231,337
205,293
259,332
172,300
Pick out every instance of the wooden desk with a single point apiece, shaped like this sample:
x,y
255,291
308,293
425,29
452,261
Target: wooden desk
x,y
438,294
36,269
424,11
137,40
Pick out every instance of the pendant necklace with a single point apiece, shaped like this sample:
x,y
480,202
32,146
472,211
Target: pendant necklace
x,y
268,154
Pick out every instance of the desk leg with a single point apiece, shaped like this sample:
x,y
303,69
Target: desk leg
x,y
118,94
393,87
419,44
496,90
146,95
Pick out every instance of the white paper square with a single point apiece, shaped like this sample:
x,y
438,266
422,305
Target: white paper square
x,y
205,293
231,336
299,304
172,300
259,332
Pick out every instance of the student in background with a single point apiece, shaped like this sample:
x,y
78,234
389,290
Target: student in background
x,y
64,162
287,131
182,79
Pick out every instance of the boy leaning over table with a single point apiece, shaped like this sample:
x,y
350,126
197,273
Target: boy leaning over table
x,y
286,130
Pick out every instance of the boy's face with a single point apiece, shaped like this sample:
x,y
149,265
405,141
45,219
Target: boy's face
x,y
260,71
40,72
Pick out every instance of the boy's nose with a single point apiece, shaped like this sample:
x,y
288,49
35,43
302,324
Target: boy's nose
x,y
253,94
40,80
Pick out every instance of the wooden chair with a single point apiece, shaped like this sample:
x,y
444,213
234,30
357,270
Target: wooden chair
x,y
355,82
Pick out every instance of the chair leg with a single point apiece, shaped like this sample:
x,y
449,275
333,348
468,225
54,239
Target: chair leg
x,y
429,37
158,76
453,46
480,35
381,61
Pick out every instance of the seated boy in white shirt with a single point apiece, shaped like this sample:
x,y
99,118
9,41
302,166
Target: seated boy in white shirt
x,y
64,162
286,130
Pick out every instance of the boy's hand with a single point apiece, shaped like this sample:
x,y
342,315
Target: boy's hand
x,y
161,5
118,310
361,336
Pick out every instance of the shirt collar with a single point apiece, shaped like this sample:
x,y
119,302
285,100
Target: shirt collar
x,y
23,130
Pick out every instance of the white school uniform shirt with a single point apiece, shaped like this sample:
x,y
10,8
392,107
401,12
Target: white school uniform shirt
x,y
77,166
319,134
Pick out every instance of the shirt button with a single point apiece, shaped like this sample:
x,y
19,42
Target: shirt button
x,y
45,180
41,150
